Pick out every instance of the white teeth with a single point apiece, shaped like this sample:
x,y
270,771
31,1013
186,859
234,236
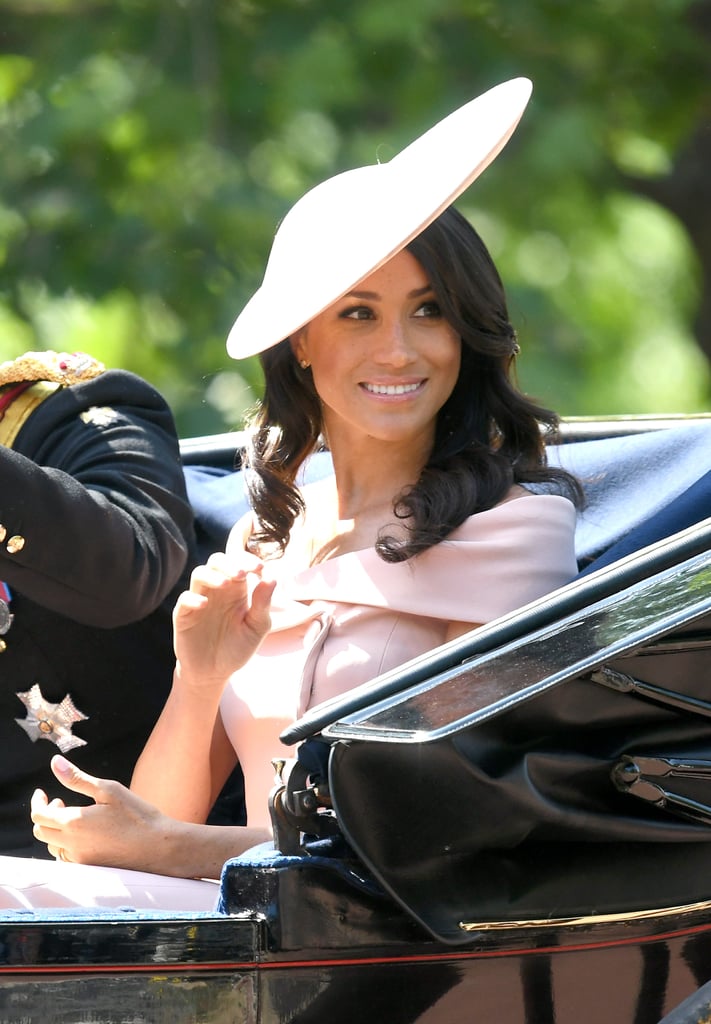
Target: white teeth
x,y
391,389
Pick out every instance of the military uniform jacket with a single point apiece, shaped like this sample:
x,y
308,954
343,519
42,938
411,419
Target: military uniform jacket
x,y
97,538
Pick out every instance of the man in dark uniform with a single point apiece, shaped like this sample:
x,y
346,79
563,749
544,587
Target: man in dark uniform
x,y
96,541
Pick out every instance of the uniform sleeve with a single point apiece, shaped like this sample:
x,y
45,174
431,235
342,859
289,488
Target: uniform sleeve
x,y
93,507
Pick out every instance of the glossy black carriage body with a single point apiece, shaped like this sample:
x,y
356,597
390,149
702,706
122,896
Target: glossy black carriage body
x,y
310,950
425,938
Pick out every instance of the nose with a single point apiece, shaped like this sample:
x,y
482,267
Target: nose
x,y
393,346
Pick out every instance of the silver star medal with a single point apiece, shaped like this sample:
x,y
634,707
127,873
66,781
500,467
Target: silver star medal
x,y
51,722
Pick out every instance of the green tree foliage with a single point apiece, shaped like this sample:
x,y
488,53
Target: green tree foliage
x,y
149,148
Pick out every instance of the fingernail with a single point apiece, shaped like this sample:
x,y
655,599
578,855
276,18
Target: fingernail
x,y
61,764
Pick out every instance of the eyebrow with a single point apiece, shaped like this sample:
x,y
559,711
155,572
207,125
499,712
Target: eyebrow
x,y
414,294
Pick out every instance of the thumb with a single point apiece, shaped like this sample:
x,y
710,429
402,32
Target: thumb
x,y
259,617
75,779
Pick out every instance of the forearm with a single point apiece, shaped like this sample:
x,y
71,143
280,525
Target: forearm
x,y
218,625
188,850
186,758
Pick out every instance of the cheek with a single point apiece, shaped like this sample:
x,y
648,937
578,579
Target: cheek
x,y
450,357
328,379
457,356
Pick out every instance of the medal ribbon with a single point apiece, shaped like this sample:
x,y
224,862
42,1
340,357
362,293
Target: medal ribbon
x,y
5,596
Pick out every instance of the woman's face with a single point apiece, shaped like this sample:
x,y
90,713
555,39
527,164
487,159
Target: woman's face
x,y
383,358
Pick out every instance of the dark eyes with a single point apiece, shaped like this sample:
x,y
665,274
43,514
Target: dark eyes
x,y
357,313
427,309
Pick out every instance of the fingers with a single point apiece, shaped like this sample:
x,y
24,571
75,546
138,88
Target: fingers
x,y
206,580
221,570
38,801
259,615
226,577
75,833
262,595
47,818
76,780
189,601
58,827
221,621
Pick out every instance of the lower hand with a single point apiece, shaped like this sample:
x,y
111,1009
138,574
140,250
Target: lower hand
x,y
118,830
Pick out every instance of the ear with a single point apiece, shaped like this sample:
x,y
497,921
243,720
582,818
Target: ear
x,y
298,347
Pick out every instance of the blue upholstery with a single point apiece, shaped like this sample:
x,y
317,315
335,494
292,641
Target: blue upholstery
x,y
123,914
687,509
323,856
629,480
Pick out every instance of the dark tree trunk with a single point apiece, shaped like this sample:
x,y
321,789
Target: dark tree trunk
x,y
686,190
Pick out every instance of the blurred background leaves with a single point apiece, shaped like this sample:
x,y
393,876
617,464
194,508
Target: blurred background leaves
x,y
149,148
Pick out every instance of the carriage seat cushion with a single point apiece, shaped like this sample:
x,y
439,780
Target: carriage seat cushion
x,y
629,481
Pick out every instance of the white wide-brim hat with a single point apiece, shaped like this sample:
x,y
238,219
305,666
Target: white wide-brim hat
x,y
347,227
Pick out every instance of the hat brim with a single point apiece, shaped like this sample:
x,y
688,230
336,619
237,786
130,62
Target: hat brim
x,y
347,227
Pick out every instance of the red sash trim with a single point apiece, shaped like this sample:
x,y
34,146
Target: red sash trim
x,y
8,397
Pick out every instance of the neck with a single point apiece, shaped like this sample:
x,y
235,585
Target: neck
x,y
349,511
371,475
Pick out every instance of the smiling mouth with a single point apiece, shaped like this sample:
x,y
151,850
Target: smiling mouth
x,y
392,389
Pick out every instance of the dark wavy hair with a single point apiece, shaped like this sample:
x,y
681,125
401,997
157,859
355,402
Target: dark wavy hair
x,y
488,436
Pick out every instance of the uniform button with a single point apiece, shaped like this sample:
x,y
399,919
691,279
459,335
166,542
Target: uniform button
x,y
15,544
3,533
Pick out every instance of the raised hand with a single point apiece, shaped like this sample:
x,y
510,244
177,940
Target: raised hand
x,y
221,620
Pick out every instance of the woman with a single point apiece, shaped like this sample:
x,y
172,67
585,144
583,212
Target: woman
x,y
424,531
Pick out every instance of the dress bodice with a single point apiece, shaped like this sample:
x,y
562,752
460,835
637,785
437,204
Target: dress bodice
x,y
344,621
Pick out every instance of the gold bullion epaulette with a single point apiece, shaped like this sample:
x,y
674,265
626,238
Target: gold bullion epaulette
x,y
63,368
